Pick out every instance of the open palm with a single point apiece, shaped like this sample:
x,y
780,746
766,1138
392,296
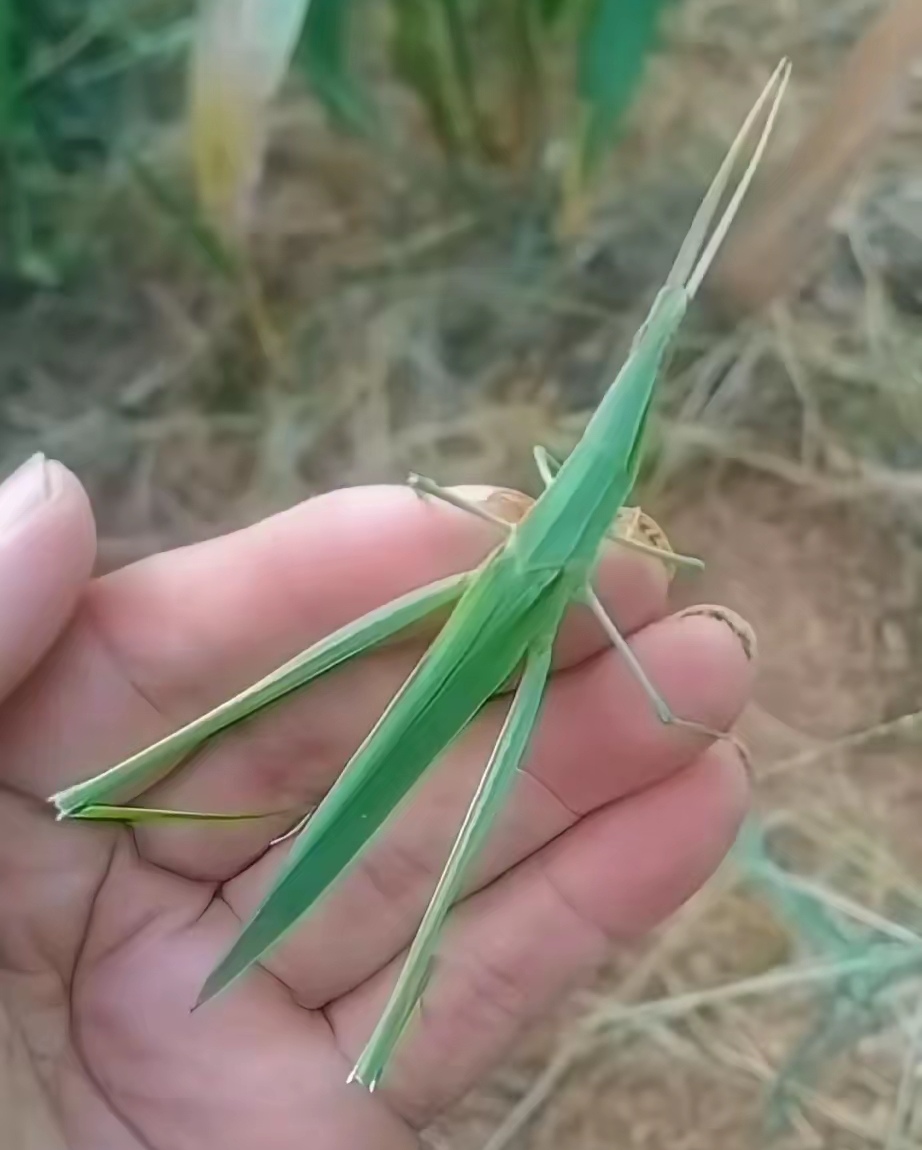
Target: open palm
x,y
106,935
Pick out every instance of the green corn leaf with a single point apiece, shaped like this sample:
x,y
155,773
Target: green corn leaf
x,y
527,99
461,54
7,71
551,11
424,57
323,53
616,40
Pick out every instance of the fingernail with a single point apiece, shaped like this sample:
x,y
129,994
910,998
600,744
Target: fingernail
x,y
508,504
24,492
740,628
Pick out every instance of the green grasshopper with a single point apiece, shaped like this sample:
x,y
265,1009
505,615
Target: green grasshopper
x,y
504,619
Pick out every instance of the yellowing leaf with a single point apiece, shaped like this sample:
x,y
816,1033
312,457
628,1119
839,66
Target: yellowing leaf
x,y
240,57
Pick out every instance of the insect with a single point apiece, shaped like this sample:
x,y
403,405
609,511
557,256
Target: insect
x,y
503,621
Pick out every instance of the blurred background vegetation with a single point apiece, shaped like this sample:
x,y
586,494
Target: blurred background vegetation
x,y
428,248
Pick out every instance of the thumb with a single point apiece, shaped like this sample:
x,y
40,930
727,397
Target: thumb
x,y
47,550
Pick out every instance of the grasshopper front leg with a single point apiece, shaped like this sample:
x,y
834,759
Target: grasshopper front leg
x,y
425,486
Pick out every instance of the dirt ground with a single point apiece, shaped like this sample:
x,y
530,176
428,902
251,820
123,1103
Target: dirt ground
x,y
834,600
147,381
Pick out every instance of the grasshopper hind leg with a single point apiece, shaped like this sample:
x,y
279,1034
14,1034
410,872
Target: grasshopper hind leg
x,y
664,712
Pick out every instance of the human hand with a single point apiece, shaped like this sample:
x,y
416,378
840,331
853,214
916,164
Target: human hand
x,y
107,933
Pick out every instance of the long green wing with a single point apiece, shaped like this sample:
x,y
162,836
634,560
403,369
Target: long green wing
x,y
615,44
129,778
477,651
324,54
488,800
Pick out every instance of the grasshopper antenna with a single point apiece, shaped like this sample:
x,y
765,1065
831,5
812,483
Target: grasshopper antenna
x,y
695,258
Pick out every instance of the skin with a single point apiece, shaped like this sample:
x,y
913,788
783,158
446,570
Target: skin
x,y
107,934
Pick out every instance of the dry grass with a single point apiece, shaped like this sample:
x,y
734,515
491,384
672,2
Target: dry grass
x,y
475,335
732,990
418,331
